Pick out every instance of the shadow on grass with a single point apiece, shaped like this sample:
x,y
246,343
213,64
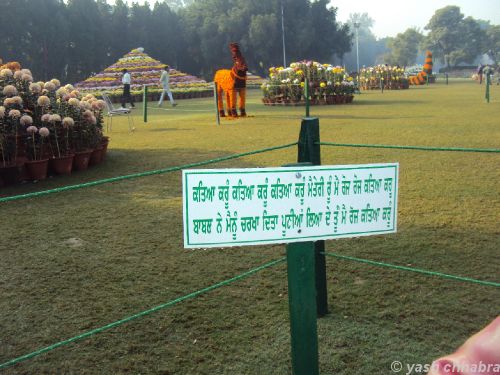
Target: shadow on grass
x,y
120,162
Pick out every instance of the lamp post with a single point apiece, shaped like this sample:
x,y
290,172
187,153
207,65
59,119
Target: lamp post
x,y
356,26
283,34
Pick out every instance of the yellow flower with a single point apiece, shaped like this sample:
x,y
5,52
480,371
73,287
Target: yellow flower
x,y
300,72
322,84
349,79
302,84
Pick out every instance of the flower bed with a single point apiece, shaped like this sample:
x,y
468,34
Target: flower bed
x,y
383,76
45,126
327,84
144,71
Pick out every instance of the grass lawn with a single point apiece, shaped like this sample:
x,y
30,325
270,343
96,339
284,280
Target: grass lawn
x,y
74,261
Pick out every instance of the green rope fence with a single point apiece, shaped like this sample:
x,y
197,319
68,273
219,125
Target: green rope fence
x,y
141,314
142,174
417,270
421,148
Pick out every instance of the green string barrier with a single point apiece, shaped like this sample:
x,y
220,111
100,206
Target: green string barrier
x,y
417,270
423,148
141,314
142,174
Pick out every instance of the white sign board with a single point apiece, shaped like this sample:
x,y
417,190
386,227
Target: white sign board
x,y
236,207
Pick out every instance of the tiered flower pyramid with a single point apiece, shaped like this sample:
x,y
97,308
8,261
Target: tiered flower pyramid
x,y
144,71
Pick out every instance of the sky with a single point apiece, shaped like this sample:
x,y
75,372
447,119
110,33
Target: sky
x,y
395,16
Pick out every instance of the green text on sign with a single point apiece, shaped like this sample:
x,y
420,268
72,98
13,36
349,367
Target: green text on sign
x,y
235,207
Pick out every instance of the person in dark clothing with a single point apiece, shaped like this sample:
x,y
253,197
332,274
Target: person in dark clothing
x,y
126,80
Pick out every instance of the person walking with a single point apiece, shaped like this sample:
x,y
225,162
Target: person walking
x,y
165,84
126,80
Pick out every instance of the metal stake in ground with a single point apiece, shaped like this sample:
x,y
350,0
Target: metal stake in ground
x,y
216,98
306,94
145,103
487,94
302,303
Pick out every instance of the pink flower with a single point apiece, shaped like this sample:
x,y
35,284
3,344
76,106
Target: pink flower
x,y
43,101
31,129
87,114
67,122
14,113
46,117
27,78
9,90
26,71
44,132
18,74
93,120
101,104
26,120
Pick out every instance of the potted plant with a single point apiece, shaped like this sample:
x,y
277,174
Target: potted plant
x,y
37,141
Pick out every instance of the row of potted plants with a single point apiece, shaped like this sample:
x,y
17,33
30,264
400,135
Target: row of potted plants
x,y
327,84
46,127
383,76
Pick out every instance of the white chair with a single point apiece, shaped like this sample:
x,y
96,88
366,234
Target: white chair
x,y
112,111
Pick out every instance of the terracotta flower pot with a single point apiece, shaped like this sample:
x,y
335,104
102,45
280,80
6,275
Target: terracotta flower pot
x,y
96,155
104,143
62,165
37,169
81,160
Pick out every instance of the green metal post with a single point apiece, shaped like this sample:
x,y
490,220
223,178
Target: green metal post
x,y
446,74
301,290
145,103
216,98
306,94
487,95
309,151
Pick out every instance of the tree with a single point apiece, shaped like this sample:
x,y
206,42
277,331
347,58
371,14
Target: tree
x,y
452,38
403,49
369,46
493,42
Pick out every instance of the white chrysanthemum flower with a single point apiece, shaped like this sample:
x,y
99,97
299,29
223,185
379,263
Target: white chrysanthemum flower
x,y
6,73
14,113
43,101
44,132
55,118
26,120
10,90
68,122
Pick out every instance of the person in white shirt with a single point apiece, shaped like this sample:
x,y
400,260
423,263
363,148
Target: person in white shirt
x,y
164,83
126,80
